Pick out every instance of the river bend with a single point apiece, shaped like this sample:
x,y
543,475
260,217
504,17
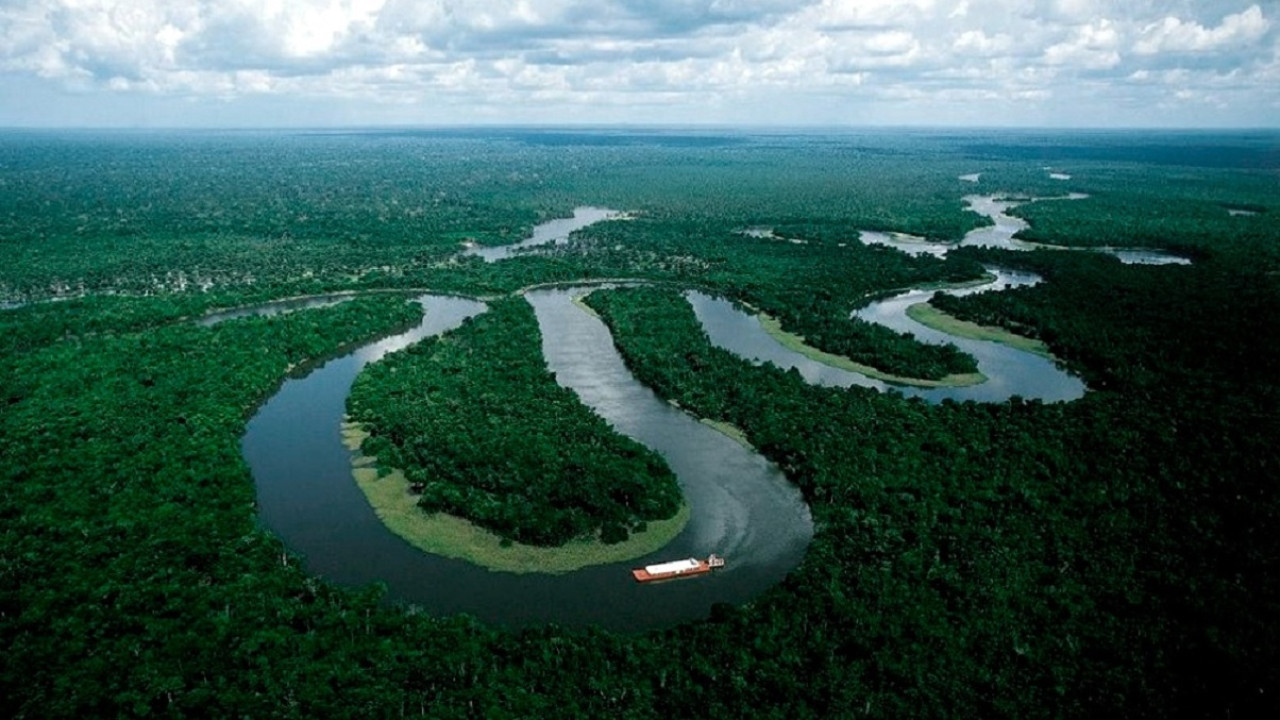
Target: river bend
x,y
741,505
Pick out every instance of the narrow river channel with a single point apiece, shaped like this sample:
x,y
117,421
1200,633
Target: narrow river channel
x,y
1000,234
1009,371
551,232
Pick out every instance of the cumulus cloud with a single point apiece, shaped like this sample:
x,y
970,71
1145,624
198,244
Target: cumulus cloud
x,y
976,43
874,14
1172,34
1091,47
794,60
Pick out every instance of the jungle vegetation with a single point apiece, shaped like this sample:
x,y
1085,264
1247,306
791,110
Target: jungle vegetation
x,y
1110,557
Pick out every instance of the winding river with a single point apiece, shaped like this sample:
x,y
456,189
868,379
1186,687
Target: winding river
x,y
277,307
1000,234
1009,371
741,505
552,232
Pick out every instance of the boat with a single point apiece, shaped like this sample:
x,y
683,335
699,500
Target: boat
x,y
677,569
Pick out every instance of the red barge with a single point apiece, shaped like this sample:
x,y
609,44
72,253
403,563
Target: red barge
x,y
677,569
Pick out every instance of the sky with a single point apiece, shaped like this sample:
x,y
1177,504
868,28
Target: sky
x,y
830,63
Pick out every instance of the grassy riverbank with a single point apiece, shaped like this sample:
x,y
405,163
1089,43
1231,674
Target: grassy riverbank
x,y
797,343
578,303
932,317
455,537
733,432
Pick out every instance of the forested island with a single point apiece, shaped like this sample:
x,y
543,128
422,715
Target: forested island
x,y
481,431
1111,556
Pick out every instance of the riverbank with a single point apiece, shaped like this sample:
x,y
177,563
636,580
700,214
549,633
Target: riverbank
x,y
579,302
729,430
455,537
932,317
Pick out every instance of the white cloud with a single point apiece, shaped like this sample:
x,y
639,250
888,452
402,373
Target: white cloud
x,y
311,29
1174,35
1092,47
778,59
893,42
977,43
848,14
1075,10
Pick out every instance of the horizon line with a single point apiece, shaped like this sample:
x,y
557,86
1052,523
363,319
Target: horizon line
x,y
701,127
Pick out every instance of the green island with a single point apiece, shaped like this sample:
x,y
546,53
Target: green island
x,y
927,314
797,343
477,424
1112,556
451,536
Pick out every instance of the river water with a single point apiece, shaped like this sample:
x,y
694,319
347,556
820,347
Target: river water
x,y
741,505
552,232
278,307
1000,234
1009,371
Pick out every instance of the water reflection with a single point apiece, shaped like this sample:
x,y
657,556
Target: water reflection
x,y
742,504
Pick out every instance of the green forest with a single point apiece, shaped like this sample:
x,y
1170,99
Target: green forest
x,y
1115,556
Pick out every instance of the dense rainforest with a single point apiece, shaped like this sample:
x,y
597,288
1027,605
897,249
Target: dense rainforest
x,y
1113,556
479,422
